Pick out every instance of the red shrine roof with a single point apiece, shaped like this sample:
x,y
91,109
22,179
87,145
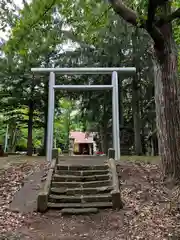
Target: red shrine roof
x,y
81,137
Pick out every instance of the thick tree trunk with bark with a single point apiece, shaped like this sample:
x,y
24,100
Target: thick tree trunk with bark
x,y
136,121
30,128
167,105
13,139
166,81
104,145
104,134
43,152
136,96
121,106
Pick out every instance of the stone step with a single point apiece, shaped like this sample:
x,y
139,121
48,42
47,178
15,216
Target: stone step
x,y
82,167
82,158
74,191
81,184
77,211
80,205
71,178
80,198
83,172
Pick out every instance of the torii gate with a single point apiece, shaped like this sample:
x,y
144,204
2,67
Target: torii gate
x,y
71,71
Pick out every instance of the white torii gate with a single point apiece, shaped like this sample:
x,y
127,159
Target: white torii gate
x,y
71,71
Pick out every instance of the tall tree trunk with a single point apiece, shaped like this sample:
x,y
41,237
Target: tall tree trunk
x,y
105,120
13,139
104,138
13,146
46,91
121,105
136,117
30,128
12,131
136,97
167,105
43,152
68,127
101,146
166,84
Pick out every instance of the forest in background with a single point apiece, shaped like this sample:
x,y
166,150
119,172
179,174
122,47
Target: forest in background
x,y
66,34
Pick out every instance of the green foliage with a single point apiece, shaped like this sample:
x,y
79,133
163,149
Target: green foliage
x,y
39,47
39,32
59,151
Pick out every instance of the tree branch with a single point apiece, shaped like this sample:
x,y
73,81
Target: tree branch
x,y
169,18
131,17
20,38
126,13
25,3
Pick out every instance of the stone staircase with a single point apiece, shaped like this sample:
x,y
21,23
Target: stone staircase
x,y
74,188
81,187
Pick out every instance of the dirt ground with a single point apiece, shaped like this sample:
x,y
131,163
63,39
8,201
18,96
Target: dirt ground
x,y
151,210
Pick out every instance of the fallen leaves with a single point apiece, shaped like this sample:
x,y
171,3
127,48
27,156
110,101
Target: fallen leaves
x,y
151,211
11,180
150,219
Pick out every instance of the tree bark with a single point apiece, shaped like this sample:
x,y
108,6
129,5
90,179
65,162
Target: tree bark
x,y
104,138
167,105
136,97
166,88
121,106
13,140
105,120
136,118
30,128
43,152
